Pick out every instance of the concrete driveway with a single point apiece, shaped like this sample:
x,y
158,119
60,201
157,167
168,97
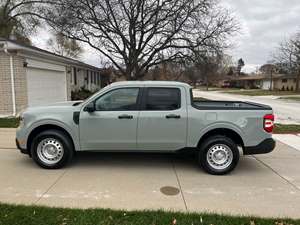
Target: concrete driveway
x,y
267,185
286,112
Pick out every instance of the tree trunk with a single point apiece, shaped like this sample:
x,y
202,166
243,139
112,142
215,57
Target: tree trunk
x,y
271,83
206,83
297,81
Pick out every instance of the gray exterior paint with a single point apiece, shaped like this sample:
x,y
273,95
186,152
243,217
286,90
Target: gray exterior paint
x,y
149,130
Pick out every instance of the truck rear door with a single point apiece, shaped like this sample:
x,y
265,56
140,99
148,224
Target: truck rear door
x,y
162,122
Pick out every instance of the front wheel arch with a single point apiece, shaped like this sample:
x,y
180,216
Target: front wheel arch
x,y
45,127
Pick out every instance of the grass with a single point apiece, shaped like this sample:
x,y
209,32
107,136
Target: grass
x,y
293,98
199,99
259,92
9,122
201,88
36,215
286,128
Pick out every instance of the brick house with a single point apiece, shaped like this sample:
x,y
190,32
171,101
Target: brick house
x,y
279,82
31,76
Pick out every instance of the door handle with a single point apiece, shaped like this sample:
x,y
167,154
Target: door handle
x,y
173,116
128,117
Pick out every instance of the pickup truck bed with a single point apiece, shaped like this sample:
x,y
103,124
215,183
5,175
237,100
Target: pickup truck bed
x,y
228,105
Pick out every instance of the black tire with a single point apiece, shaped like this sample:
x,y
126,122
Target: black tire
x,y
63,139
223,141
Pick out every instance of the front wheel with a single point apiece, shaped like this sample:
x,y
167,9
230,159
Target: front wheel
x,y
218,155
52,149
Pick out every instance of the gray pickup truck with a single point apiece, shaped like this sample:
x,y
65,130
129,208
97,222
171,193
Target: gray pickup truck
x,y
149,116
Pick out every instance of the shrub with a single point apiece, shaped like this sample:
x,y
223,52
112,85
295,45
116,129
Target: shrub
x,y
81,94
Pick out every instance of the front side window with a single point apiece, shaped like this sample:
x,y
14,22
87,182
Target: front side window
x,y
162,99
124,99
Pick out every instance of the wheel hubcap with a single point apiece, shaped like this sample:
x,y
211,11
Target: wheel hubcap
x,y
50,151
219,157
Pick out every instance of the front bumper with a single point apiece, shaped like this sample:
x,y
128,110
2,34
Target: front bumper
x,y
264,147
22,150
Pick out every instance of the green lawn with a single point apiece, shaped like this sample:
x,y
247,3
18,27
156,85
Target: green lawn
x,y
259,92
293,98
34,215
286,128
9,122
201,88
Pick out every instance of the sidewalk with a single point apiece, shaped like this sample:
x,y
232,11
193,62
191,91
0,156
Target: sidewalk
x,y
7,138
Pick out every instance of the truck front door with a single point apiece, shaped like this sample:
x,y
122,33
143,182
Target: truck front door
x,y
113,124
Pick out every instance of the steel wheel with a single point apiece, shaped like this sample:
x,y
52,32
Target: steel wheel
x,y
219,156
50,151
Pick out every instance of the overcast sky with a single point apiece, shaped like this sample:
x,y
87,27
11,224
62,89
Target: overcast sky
x,y
264,23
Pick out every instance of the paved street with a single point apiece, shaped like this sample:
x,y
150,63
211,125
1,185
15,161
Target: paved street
x,y
266,185
286,112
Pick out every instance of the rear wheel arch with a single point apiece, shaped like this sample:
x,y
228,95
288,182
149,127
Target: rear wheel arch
x,y
45,127
229,133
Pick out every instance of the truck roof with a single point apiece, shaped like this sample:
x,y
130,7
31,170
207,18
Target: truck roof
x,y
151,83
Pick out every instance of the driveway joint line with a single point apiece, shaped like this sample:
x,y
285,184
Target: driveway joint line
x,y
274,171
49,188
5,148
179,185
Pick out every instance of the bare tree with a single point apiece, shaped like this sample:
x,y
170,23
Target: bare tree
x,y
205,64
64,46
136,35
288,56
19,18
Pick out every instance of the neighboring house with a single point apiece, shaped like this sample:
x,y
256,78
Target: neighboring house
x,y
30,76
279,82
246,82
283,82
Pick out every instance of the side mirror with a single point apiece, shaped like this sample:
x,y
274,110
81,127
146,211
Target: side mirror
x,y
90,107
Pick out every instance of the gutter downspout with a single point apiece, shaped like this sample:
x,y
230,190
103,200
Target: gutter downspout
x,y
12,81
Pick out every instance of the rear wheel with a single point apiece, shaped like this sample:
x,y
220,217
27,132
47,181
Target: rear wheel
x,y
218,155
52,149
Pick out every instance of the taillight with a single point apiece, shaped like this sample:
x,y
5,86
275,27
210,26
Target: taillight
x,y
269,123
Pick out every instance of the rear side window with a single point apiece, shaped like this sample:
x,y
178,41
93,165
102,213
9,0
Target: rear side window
x,y
162,99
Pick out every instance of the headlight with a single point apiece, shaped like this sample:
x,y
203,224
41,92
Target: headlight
x,y
22,120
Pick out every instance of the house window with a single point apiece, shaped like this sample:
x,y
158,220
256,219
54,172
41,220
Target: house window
x,y
95,78
284,80
98,79
87,77
92,77
74,76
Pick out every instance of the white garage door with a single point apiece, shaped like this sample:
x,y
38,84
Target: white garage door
x,y
45,86
266,84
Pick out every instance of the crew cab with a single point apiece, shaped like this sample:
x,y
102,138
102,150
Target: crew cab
x,y
147,116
